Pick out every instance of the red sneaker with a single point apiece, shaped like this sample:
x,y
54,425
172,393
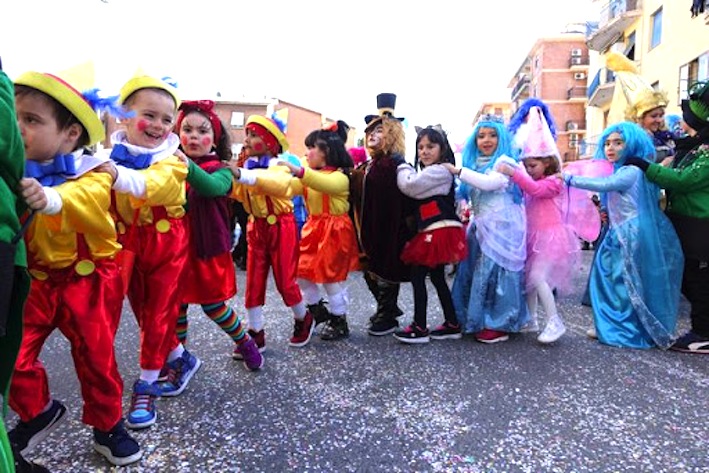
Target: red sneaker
x,y
302,330
487,335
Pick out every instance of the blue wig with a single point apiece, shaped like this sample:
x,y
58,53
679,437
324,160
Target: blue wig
x,y
471,151
521,115
638,143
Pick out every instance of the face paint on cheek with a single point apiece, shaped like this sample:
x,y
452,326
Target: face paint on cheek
x,y
184,140
259,147
142,125
207,141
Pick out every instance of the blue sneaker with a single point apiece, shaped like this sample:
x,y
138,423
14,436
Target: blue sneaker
x,y
117,446
181,371
142,412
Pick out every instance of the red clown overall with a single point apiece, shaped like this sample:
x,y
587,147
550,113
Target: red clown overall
x,y
76,287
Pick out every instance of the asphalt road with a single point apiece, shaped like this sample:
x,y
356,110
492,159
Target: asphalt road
x,y
372,404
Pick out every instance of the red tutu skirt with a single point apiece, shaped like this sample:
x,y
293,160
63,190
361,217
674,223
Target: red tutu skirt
x,y
433,248
328,249
206,281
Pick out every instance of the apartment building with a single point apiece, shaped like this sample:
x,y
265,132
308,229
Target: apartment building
x,y
668,45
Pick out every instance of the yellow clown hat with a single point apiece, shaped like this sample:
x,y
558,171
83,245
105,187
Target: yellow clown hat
x,y
272,126
73,88
141,80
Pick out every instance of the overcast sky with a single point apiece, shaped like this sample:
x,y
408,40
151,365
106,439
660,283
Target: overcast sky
x,y
442,58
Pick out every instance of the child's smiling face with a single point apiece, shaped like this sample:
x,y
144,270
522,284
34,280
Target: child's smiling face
x,y
153,120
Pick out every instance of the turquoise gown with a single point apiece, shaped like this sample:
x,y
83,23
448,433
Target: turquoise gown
x,y
636,275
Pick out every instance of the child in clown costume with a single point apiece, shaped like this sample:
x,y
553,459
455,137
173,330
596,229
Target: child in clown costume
x,y
209,278
72,244
149,208
328,246
264,188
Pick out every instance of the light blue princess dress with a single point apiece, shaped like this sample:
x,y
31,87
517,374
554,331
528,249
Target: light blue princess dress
x,y
488,290
636,275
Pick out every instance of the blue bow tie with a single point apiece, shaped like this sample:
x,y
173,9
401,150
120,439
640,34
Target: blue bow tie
x,y
121,155
53,173
258,163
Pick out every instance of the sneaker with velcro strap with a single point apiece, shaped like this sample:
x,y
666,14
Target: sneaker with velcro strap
x,y
27,435
117,445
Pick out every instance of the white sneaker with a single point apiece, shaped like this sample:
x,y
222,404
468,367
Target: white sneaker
x,y
531,326
553,331
591,333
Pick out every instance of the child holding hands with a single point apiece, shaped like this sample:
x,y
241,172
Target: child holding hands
x,y
552,247
328,246
488,289
440,239
76,284
637,271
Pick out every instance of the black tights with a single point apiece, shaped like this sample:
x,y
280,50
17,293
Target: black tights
x,y
438,279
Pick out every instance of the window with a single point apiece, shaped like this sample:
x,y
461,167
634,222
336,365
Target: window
x,y
694,71
630,46
656,28
237,119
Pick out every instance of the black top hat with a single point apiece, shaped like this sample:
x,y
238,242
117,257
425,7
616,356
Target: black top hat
x,y
695,111
385,104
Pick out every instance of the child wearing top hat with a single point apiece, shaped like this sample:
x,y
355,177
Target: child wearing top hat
x,y
687,186
76,285
149,209
381,213
264,188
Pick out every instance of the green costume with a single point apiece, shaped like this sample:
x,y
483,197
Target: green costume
x,y
12,165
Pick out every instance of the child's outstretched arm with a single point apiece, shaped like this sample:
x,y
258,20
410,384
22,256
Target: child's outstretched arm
x,y
620,180
486,182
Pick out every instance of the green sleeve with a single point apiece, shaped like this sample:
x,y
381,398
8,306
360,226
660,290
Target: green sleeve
x,y
680,181
12,155
217,184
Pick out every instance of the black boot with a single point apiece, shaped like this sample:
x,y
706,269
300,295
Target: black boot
x,y
374,289
384,321
335,328
319,311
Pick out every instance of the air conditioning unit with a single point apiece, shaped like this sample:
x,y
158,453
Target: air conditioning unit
x,y
579,75
576,52
576,61
570,126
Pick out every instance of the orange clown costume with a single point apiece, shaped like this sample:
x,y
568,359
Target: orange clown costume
x,y
264,188
76,285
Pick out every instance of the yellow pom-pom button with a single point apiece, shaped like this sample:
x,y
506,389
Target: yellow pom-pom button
x,y
163,226
39,275
271,219
85,267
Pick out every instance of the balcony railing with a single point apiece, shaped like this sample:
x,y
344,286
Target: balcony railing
x,y
616,16
615,8
521,84
577,92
